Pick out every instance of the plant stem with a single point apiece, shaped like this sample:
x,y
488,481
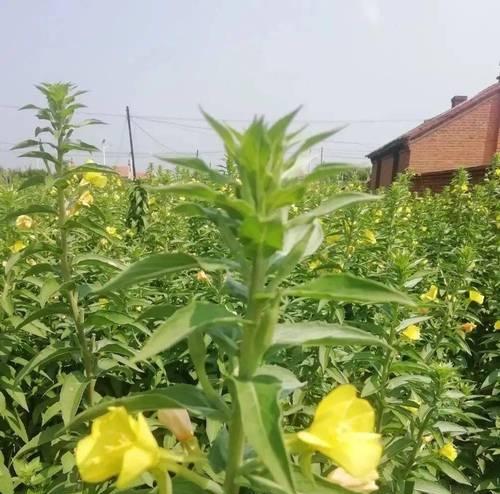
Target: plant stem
x,y
76,312
416,447
248,361
384,375
193,477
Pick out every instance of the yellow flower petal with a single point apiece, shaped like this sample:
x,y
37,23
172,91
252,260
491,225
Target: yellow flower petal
x,y
412,332
117,445
497,323
449,451
135,462
95,178
430,295
343,429
475,296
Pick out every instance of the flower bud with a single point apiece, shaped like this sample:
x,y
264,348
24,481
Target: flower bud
x,y
340,477
177,421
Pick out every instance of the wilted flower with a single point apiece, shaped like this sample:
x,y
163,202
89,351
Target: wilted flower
x,y
343,429
430,295
177,421
24,222
449,451
86,199
475,296
96,179
118,445
340,477
468,327
412,332
17,246
202,276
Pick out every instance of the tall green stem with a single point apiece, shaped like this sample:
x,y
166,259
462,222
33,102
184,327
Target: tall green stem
x,y
76,312
248,364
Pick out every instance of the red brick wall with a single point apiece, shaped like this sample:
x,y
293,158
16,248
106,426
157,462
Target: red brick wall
x,y
469,139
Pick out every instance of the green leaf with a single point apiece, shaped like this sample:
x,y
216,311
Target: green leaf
x,y
157,311
48,310
338,201
89,167
6,483
316,333
327,170
268,233
49,288
25,144
286,377
453,473
261,418
312,141
71,395
105,317
51,353
411,320
348,288
97,260
199,166
492,378
31,181
154,266
185,396
430,487
181,324
43,155
194,189
34,208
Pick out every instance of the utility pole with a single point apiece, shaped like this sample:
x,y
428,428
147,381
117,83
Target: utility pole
x,y
131,144
103,143
321,159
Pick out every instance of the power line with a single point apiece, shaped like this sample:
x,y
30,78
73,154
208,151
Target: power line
x,y
154,139
169,119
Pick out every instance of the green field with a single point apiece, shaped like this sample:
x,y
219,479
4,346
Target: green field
x,y
244,296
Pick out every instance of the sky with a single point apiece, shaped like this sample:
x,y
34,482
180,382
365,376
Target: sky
x,y
380,66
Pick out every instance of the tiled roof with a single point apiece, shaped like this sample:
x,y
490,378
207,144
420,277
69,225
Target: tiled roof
x,y
430,124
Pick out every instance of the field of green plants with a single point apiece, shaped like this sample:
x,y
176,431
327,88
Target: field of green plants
x,y
246,330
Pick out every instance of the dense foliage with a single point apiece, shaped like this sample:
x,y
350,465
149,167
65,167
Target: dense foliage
x,y
118,290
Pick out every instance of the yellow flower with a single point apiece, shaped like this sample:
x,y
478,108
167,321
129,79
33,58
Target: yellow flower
x,y
314,264
103,301
24,222
497,172
177,421
464,187
17,246
112,231
86,199
449,451
343,429
118,445
412,332
430,294
370,237
331,239
340,477
475,296
94,178
468,327
497,323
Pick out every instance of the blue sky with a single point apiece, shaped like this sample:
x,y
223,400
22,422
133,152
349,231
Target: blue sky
x,y
380,65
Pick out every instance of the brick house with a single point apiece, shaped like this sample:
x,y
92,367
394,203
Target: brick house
x,y
465,136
